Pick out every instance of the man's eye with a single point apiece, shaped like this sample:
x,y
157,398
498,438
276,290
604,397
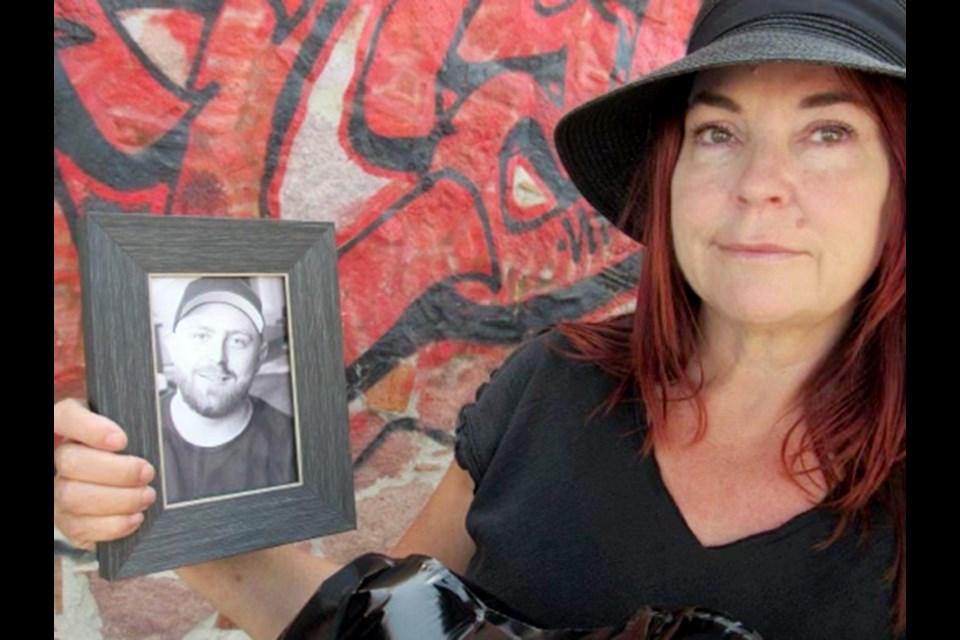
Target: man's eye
x,y
240,342
200,336
713,135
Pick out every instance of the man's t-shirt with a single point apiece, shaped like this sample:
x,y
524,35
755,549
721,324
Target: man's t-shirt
x,y
263,455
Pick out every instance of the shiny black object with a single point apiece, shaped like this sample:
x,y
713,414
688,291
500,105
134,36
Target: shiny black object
x,y
417,598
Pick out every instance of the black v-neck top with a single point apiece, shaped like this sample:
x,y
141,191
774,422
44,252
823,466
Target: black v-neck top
x,y
574,528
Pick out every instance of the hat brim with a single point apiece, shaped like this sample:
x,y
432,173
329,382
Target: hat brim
x,y
601,142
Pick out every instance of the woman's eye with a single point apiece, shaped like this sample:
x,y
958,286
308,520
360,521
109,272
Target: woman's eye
x,y
831,134
713,135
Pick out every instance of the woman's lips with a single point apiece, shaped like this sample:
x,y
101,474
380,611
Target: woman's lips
x,y
759,251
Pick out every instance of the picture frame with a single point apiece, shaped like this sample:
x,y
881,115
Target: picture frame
x,y
222,266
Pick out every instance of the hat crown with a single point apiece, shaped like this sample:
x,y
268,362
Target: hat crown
x,y
228,290
877,27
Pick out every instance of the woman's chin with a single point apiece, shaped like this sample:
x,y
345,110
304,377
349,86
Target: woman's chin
x,y
772,314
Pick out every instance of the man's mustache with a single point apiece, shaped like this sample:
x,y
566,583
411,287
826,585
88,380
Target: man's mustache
x,y
215,372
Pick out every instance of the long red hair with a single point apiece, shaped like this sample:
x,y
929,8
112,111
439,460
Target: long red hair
x,y
854,403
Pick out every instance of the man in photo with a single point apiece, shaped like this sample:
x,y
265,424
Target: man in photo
x,y
217,438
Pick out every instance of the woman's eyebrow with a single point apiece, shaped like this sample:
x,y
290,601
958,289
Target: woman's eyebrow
x,y
829,98
824,99
713,100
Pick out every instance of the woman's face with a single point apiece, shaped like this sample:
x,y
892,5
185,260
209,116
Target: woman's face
x,y
777,195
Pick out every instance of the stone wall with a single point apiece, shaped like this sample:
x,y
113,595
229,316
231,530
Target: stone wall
x,y
423,130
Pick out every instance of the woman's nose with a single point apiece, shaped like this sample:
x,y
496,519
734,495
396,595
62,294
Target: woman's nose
x,y
765,180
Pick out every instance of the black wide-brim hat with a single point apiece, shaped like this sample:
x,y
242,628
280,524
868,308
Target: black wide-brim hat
x,y
602,142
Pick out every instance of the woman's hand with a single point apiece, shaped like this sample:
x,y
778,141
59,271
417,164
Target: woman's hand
x,y
99,494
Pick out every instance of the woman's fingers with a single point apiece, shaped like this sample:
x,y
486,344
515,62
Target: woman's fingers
x,y
84,531
74,421
83,499
75,461
98,494
87,451
87,513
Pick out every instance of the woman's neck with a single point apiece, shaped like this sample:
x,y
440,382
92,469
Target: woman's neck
x,y
751,377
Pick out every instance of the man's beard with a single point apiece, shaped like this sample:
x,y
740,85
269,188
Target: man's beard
x,y
212,401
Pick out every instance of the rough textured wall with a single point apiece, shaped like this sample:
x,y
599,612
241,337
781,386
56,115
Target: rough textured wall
x,y
422,129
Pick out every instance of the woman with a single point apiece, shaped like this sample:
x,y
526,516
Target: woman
x,y
765,172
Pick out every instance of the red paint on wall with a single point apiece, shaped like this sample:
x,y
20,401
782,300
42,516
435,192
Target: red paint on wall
x,y
67,341
408,56
129,106
406,254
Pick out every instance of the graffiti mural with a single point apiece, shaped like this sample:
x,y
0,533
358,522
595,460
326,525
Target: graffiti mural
x,y
423,130
463,227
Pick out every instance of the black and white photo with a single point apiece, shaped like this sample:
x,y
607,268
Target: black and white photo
x,y
226,414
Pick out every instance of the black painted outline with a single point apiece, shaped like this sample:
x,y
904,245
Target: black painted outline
x,y
527,139
441,313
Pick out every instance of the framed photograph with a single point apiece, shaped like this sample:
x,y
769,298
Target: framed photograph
x,y
216,344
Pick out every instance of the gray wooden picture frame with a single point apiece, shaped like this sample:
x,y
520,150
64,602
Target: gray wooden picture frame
x,y
118,252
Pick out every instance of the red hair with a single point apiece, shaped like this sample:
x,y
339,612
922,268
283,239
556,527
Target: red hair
x,y
853,404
